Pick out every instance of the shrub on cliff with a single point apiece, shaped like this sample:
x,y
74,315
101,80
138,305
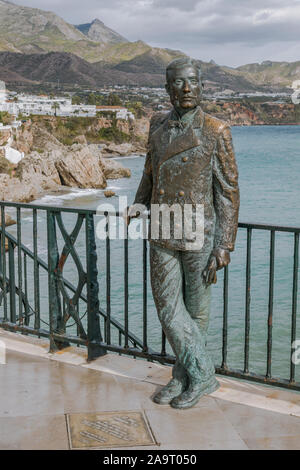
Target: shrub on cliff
x,y
113,134
5,166
5,118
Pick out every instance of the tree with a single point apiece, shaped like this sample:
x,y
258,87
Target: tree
x,y
76,100
55,106
114,100
136,108
91,99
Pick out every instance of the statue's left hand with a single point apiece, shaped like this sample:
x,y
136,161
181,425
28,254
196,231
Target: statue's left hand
x,y
218,259
222,257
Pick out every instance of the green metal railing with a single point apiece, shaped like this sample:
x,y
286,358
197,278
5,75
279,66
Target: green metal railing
x,y
25,277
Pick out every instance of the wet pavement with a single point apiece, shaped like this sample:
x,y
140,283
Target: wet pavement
x,y
40,391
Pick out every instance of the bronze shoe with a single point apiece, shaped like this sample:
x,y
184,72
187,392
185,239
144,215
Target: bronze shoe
x,y
168,392
192,395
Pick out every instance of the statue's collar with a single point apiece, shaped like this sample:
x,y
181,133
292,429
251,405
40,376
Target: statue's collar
x,y
184,141
194,118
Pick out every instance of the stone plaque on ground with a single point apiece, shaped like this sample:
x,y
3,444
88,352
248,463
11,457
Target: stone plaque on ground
x,y
109,429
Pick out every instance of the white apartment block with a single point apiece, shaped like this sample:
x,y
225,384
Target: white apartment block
x,y
119,111
2,94
43,105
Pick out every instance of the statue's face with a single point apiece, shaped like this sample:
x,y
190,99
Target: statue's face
x,y
184,88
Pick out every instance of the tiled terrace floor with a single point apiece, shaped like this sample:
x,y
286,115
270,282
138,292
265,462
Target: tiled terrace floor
x,y
39,389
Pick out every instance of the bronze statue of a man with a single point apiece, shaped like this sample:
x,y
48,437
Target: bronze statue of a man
x,y
190,162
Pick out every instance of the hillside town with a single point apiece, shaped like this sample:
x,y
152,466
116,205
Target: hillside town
x,y
26,105
21,106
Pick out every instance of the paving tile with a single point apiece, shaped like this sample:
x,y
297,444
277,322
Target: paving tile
x,y
251,422
204,444
29,386
274,443
34,433
72,355
89,390
24,344
36,392
160,376
124,366
201,427
260,396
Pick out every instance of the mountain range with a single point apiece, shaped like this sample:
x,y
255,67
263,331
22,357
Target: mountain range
x,y
46,49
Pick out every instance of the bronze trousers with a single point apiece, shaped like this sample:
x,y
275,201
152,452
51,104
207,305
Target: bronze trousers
x,y
183,305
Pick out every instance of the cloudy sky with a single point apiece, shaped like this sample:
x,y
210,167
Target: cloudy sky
x,y
231,32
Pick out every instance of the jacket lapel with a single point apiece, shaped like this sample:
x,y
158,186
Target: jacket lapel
x,y
187,140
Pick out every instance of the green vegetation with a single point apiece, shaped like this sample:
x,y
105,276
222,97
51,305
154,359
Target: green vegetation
x,y
113,134
5,118
136,107
5,166
76,100
67,130
95,99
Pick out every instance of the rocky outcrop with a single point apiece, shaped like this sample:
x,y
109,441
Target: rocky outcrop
x,y
110,168
32,136
114,170
13,189
8,221
109,193
77,166
121,150
4,136
50,165
73,166
80,168
40,167
117,149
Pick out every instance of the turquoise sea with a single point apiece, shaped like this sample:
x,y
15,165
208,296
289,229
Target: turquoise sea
x,y
268,159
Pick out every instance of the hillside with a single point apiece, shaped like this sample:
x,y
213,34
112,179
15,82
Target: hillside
x,y
41,32
38,31
145,70
99,32
272,73
47,49
68,69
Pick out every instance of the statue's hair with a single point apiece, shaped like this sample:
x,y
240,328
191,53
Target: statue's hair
x,y
182,62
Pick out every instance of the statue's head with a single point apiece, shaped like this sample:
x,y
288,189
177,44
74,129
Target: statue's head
x,y
184,83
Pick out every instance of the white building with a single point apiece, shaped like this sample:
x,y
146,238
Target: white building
x,y
45,106
2,95
11,154
119,111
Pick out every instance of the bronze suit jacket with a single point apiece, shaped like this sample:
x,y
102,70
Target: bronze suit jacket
x,y
196,167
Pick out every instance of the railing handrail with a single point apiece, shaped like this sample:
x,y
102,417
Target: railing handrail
x,y
132,344
133,338
76,210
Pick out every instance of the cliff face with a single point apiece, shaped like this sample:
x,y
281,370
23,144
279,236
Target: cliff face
x,y
249,113
50,165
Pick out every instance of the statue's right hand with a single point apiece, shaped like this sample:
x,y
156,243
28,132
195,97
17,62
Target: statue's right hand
x,y
210,272
131,213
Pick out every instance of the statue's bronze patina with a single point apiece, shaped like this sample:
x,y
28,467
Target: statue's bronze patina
x,y
190,161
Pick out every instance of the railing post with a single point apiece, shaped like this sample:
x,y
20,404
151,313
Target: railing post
x,y
12,282
94,333
225,320
294,304
55,310
247,303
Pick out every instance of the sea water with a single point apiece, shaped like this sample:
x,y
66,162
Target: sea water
x,y
268,159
